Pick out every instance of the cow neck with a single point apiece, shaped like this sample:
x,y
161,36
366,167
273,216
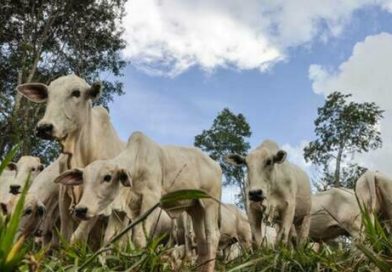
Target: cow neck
x,y
76,146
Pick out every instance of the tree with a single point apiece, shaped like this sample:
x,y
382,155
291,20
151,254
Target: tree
x,y
343,127
227,135
42,40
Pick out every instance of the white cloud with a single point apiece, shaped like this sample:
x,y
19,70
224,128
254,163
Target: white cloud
x,y
367,75
168,37
295,154
229,193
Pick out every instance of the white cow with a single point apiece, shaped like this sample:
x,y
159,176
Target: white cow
x,y
151,170
84,132
234,228
41,204
284,186
26,167
374,191
334,213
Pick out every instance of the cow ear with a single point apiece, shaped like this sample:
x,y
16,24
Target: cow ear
x,y
235,159
36,92
124,177
94,91
280,156
12,166
70,177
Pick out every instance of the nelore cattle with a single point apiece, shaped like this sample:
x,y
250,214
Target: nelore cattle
x,y
277,190
84,132
99,175
40,212
15,178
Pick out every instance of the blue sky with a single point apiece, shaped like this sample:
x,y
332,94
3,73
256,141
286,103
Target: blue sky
x,y
175,85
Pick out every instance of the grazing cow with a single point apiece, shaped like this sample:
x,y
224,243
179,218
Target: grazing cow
x,y
27,166
374,191
284,186
334,213
84,132
235,232
234,228
41,204
151,170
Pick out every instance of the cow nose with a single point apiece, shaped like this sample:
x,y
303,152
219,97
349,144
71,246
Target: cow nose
x,y
256,195
4,208
44,131
14,189
81,212
41,210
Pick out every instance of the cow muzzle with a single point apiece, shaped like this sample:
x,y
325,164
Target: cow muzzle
x,y
256,195
45,131
4,208
14,189
81,213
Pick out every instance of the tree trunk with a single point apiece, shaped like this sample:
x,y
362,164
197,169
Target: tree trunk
x,y
243,193
337,169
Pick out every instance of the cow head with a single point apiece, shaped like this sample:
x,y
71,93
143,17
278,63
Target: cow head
x,y
101,182
68,105
27,167
261,164
33,214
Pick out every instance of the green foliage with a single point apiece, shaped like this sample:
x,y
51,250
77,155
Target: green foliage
x,y
228,134
343,128
42,40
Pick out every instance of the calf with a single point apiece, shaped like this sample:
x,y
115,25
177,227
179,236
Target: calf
x,y
151,170
41,213
234,228
24,170
284,186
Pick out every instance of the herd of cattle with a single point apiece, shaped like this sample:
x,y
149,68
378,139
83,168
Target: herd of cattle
x,y
99,184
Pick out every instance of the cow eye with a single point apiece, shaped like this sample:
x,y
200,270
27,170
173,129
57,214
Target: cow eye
x,y
107,178
28,211
75,93
268,162
33,169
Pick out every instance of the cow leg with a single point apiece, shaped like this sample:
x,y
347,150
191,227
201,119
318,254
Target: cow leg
x,y
245,240
197,213
303,232
205,224
212,231
116,223
255,218
83,230
286,224
67,223
142,231
188,236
